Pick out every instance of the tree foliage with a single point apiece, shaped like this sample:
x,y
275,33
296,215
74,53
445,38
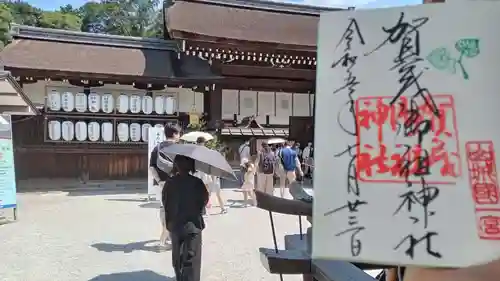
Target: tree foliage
x,y
5,20
141,18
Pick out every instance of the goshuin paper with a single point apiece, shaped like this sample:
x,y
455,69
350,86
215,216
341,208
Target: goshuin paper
x,y
407,128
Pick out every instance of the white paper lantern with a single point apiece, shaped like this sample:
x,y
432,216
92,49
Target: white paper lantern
x,y
159,126
170,105
107,103
54,101
135,132
123,132
81,102
160,104
135,104
81,131
123,103
68,130
107,131
145,131
94,131
68,101
54,130
147,104
94,102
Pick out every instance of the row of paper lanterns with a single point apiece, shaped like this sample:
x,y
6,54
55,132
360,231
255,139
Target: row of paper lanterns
x,y
94,102
93,131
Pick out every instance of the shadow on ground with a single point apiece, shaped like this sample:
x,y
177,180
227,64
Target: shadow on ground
x,y
148,246
145,275
232,203
151,205
105,191
138,200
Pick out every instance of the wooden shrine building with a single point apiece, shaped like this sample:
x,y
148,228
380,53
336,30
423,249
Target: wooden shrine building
x,y
266,52
98,95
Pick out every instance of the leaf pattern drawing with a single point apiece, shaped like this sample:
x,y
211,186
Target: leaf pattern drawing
x,y
442,59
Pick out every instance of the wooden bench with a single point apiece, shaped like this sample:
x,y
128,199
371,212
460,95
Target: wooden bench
x,y
296,257
281,205
285,261
323,270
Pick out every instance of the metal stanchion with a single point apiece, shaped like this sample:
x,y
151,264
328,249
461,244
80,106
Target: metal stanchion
x,y
274,237
300,228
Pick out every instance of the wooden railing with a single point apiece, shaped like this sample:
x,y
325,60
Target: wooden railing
x,y
295,258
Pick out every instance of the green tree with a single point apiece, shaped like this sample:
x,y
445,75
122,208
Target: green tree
x,y
5,21
59,20
135,18
97,17
68,9
24,13
142,18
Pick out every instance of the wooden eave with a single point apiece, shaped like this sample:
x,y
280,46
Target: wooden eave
x,y
242,22
267,72
239,44
67,54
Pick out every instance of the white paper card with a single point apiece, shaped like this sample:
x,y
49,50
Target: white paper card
x,y
395,182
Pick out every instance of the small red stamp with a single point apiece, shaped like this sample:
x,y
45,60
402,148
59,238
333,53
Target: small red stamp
x,y
488,225
481,164
385,150
483,176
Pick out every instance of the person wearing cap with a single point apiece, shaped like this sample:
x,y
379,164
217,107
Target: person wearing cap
x,y
266,168
290,162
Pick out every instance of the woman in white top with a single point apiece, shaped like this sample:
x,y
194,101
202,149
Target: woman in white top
x,y
212,182
249,185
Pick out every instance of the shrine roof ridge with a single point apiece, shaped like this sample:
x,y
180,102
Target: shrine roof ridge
x,y
270,6
87,38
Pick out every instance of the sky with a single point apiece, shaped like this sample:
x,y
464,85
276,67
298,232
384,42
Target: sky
x,y
55,4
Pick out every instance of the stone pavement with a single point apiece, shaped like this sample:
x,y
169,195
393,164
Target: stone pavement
x,y
89,236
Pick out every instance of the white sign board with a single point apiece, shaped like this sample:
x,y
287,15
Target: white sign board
x,y
407,120
156,136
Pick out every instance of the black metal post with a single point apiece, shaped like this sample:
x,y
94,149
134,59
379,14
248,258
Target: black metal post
x,y
274,232
300,228
274,237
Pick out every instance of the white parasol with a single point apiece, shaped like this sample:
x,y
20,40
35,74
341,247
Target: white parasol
x,y
193,136
275,141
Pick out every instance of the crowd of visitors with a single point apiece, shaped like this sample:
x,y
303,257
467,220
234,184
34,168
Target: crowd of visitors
x,y
280,162
186,193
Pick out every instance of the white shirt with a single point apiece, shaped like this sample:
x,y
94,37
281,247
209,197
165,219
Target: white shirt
x,y
307,152
244,151
207,179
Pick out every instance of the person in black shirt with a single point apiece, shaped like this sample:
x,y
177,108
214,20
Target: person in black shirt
x,y
160,170
172,135
184,197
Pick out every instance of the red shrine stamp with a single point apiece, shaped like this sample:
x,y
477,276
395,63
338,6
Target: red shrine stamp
x,y
384,149
483,180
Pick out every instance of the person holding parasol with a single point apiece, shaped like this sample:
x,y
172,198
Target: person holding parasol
x,y
185,196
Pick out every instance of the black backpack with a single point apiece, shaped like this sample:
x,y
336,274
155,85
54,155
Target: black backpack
x,y
267,161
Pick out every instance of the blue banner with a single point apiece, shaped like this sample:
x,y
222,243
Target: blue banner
x,y
7,169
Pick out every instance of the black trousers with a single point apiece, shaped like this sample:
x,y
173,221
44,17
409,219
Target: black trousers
x,y
186,256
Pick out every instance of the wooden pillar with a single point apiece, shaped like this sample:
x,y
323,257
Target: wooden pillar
x,y
215,103
212,105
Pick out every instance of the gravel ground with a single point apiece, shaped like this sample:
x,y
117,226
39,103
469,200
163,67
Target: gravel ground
x,y
63,236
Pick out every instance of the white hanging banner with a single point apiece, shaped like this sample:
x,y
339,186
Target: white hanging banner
x,y
395,182
156,136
